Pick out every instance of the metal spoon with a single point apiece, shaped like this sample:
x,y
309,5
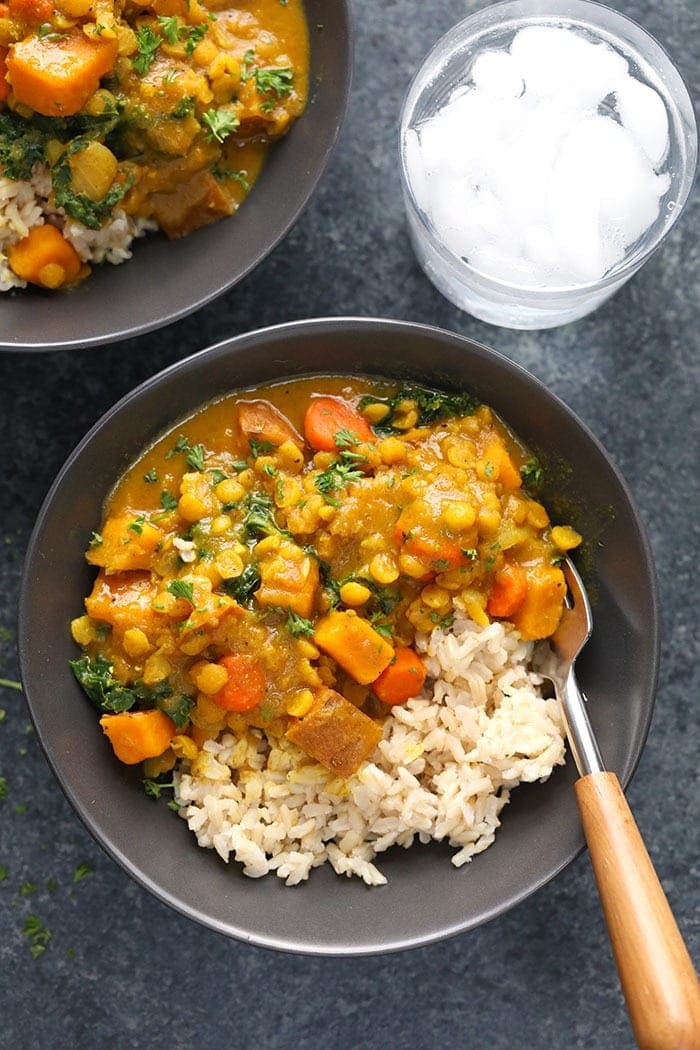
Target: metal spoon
x,y
656,972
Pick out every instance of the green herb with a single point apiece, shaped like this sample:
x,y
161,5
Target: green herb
x,y
260,448
470,552
531,473
10,683
275,83
339,474
137,524
147,43
259,518
221,123
433,406
379,626
3,787
270,470
226,173
46,32
181,589
151,476
78,205
81,872
194,454
95,675
346,438
195,34
184,108
39,936
96,540
22,145
167,501
241,587
27,888
298,625
172,28
445,622
217,476
170,76
246,65
175,806
154,789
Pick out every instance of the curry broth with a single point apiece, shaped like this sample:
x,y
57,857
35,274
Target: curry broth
x,y
244,535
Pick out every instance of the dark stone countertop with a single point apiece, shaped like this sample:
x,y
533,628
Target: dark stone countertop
x,y
125,970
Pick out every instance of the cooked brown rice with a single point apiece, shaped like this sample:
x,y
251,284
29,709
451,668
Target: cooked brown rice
x,y
443,771
24,205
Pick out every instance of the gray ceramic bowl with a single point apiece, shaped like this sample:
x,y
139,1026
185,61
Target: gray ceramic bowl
x,y
426,898
166,280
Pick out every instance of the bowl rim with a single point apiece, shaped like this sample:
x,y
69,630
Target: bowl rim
x,y
343,12
222,349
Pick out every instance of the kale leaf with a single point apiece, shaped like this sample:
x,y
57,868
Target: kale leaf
x,y
96,676
433,406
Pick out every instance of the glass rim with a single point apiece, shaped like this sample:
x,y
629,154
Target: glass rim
x,y
457,37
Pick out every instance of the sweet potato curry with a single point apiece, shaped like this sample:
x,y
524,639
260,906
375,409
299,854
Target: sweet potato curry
x,y
162,108
269,561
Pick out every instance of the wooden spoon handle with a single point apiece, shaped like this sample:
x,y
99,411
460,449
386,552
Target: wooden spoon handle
x,y
656,971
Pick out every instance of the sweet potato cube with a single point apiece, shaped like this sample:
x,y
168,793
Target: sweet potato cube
x,y
289,578
354,644
336,733
541,610
124,600
56,77
128,542
196,203
138,735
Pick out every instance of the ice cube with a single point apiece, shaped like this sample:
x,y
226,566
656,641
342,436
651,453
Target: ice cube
x,y
496,74
643,113
499,264
540,248
559,63
413,159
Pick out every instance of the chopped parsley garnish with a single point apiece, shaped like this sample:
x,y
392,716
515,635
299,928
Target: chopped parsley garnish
x,y
10,683
81,872
181,589
167,501
39,936
260,448
47,32
217,476
184,108
172,28
226,173
151,476
298,625
195,34
470,552
346,439
194,454
274,83
137,524
221,123
147,43
531,473
339,474
154,789
27,888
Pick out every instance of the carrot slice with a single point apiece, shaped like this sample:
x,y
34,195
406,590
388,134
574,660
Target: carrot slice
x,y
137,735
402,679
328,417
246,684
508,591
